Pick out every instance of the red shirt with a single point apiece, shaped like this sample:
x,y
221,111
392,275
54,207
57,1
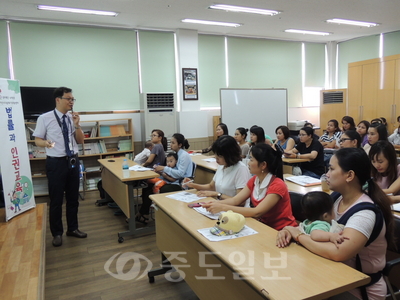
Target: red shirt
x,y
280,215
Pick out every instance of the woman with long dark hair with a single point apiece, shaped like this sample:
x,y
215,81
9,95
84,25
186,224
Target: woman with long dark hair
x,y
349,175
385,169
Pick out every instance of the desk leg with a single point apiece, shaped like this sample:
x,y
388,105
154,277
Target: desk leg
x,y
104,201
133,207
165,267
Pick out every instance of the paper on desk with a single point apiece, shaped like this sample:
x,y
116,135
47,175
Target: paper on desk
x,y
396,207
206,213
139,168
215,238
193,154
304,180
211,159
185,197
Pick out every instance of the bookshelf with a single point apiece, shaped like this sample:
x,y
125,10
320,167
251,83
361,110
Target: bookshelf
x,y
103,139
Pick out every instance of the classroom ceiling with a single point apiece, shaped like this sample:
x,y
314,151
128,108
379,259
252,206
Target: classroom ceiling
x,y
167,15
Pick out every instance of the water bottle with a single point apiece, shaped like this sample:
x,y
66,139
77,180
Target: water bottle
x,y
125,168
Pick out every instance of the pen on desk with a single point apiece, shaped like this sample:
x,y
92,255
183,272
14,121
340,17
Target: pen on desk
x,y
185,183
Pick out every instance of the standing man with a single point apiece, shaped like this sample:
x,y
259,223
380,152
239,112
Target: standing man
x,y
60,133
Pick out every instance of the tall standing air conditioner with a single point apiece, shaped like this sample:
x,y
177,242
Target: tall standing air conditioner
x,y
158,112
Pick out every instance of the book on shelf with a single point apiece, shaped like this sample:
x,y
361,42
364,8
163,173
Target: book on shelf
x,y
304,180
93,132
124,145
112,130
93,169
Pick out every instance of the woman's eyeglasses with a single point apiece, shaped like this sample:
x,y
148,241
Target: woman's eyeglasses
x,y
344,139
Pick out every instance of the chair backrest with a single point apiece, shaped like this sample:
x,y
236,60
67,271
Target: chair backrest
x,y
193,170
396,235
295,200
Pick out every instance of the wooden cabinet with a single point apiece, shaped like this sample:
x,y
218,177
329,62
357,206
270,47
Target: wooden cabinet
x,y
354,93
374,90
103,139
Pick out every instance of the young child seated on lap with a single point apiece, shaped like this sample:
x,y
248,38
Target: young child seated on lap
x,y
320,224
172,159
142,157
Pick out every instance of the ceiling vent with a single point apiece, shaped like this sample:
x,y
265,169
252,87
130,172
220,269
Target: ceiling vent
x,y
332,97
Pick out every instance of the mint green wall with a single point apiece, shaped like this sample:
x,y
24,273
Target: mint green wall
x,y
211,69
314,65
157,58
4,72
258,63
100,65
391,43
355,50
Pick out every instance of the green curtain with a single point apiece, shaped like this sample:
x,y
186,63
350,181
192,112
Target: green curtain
x,y
211,69
391,43
4,71
258,63
157,60
100,65
314,65
355,50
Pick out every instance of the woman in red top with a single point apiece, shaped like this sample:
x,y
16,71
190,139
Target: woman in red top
x,y
270,201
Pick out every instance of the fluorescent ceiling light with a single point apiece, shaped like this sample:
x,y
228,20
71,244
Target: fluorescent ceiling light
x,y
352,22
307,32
245,9
78,10
204,22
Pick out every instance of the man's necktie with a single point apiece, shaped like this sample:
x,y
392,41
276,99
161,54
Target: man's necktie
x,y
65,134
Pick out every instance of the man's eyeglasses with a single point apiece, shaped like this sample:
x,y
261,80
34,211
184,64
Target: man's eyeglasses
x,y
69,99
302,134
344,139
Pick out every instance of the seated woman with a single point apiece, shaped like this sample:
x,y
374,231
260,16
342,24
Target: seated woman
x,y
331,135
231,176
362,129
394,138
350,139
349,171
240,137
348,123
157,154
283,138
386,171
183,168
376,131
269,196
311,149
220,130
308,124
257,135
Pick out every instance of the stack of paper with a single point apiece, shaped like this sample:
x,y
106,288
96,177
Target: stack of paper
x,y
304,180
396,207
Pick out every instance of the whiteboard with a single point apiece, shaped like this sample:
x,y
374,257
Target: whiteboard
x,y
266,108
